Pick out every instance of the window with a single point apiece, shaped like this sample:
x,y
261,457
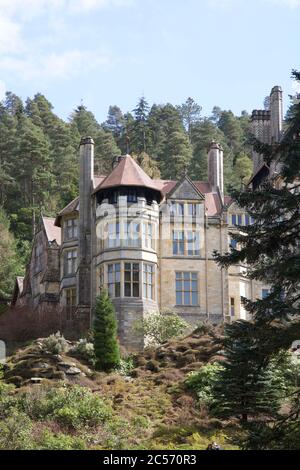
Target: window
x,y
178,242
148,281
193,209
176,208
131,196
233,219
186,243
114,280
71,229
132,234
131,280
264,293
70,262
113,235
147,235
70,303
186,288
193,243
247,219
232,307
240,219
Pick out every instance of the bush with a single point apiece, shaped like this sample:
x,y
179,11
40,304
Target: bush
x,y
160,327
126,366
50,441
85,350
55,344
72,406
202,382
15,432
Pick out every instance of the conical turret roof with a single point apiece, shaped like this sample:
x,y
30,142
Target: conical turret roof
x,y
128,173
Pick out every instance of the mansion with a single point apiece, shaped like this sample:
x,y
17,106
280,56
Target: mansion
x,y
149,242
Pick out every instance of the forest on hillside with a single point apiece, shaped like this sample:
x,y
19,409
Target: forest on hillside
x,y
39,157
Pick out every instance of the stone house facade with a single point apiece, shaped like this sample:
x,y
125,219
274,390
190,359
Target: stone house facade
x,y
150,243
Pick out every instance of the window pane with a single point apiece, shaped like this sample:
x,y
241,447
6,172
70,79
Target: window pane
x,y
186,275
178,298
118,290
127,289
186,298
194,298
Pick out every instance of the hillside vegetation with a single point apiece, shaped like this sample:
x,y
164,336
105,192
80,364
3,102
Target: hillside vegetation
x,y
62,403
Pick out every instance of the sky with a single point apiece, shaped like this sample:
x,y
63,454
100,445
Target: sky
x,y
227,53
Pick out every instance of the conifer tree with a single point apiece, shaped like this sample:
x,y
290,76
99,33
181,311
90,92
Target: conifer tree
x,y
270,249
105,334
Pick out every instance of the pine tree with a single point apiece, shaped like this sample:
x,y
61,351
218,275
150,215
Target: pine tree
x,y
140,131
245,387
270,249
105,334
190,112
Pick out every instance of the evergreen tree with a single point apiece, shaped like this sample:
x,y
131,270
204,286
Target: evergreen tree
x,y
115,122
244,387
190,112
10,265
140,130
105,334
148,165
270,249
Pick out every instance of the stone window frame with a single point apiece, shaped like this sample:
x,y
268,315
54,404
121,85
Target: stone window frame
x,y
70,260
148,277
114,279
70,302
184,244
131,279
190,277
70,224
128,234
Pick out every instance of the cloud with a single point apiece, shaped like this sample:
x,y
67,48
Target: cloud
x,y
2,90
286,3
10,36
62,66
28,9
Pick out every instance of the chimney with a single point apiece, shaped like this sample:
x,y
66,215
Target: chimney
x,y
85,214
276,113
215,167
260,128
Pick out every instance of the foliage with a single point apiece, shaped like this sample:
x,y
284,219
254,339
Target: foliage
x,y
159,327
126,365
15,432
85,350
105,334
270,249
203,382
71,406
55,343
51,441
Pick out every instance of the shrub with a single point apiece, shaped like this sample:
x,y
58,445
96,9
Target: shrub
x,y
161,326
105,334
72,406
202,382
50,441
55,344
86,351
15,432
126,366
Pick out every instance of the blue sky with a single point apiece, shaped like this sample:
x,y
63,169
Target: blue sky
x,y
221,52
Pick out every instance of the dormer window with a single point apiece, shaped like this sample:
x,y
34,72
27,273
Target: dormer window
x,y
177,208
71,230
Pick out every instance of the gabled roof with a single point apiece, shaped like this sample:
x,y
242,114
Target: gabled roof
x,y
52,232
127,173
